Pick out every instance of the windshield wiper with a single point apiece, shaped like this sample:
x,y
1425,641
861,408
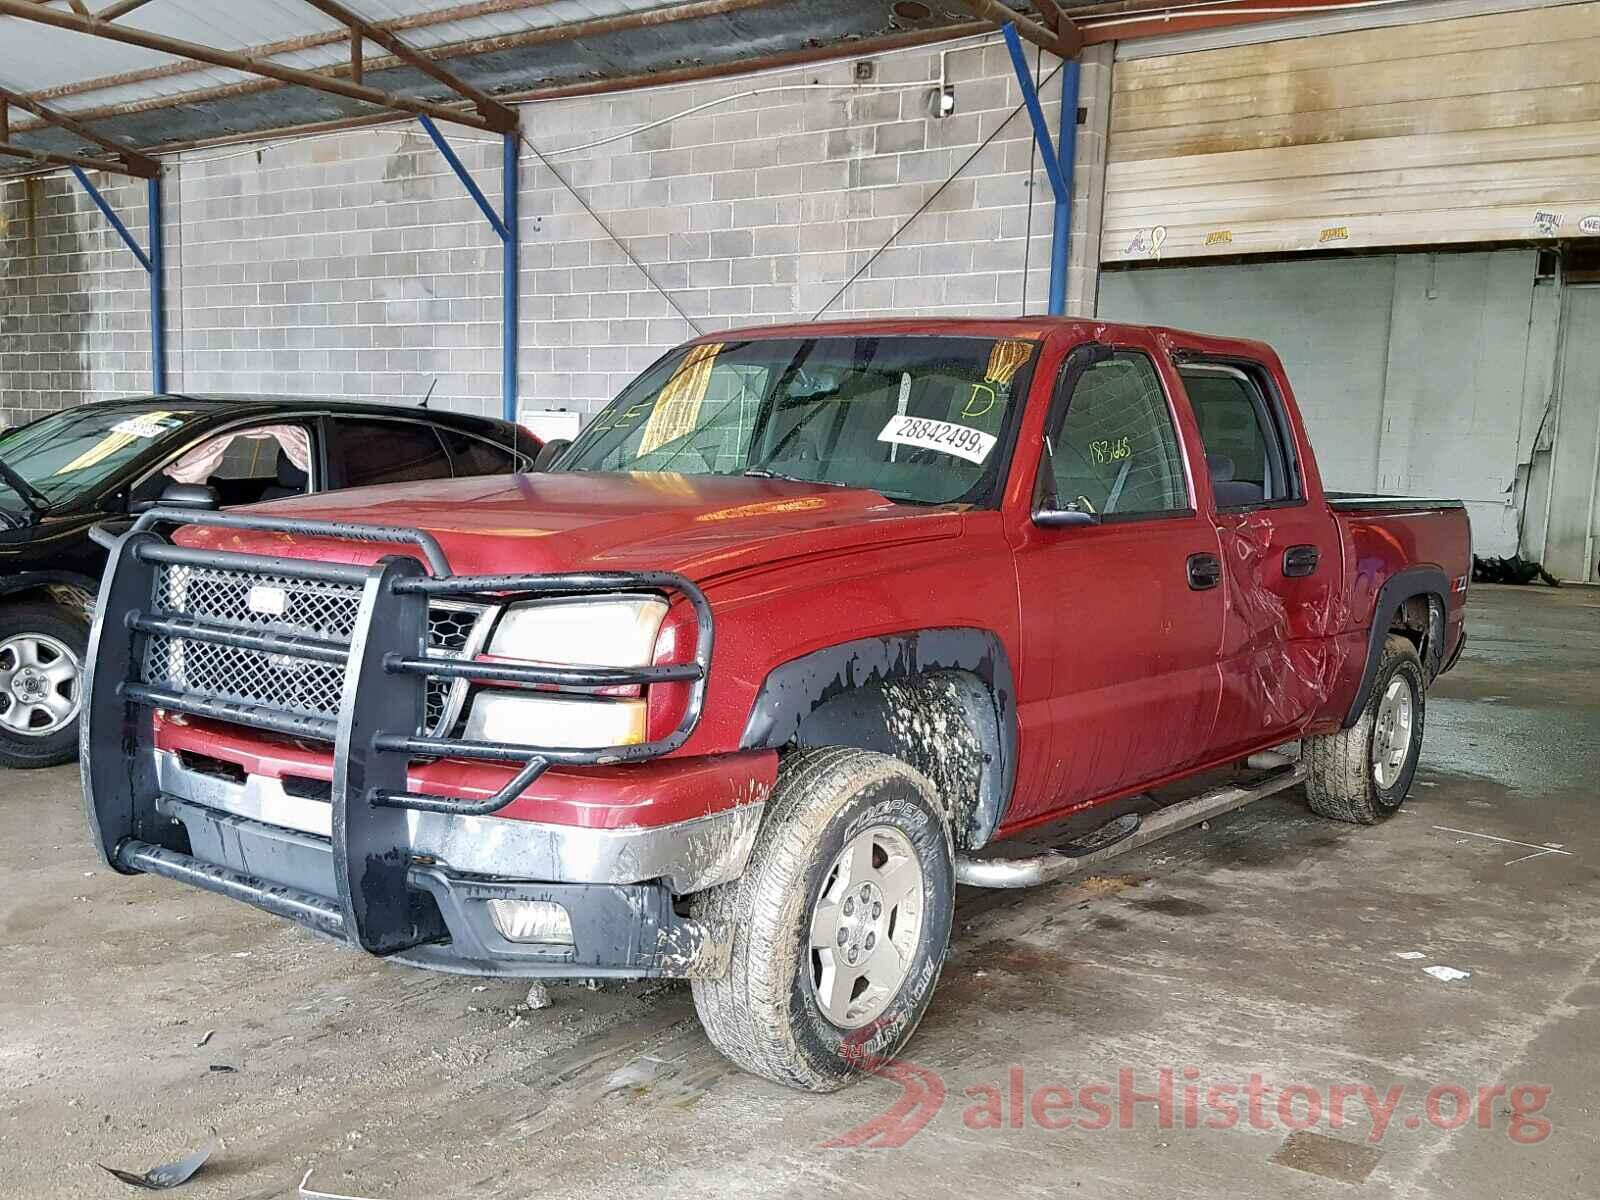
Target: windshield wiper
x,y
768,473
31,496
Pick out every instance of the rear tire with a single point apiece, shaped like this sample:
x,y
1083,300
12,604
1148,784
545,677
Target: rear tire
x,y
42,649
1362,774
840,923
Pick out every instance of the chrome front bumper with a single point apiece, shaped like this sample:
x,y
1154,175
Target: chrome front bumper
x,y
688,856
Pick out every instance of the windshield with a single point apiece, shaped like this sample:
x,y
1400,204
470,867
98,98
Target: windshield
x,y
919,419
80,448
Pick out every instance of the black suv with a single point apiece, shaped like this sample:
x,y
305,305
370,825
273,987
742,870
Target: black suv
x,y
104,463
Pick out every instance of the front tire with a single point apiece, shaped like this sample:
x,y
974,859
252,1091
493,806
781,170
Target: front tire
x,y
840,923
42,649
1362,774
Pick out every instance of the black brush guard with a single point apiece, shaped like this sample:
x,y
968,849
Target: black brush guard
x,y
374,736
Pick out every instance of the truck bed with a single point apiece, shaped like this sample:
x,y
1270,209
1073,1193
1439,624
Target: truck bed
x,y
1371,502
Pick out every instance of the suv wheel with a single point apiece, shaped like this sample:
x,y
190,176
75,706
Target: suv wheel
x,y
41,684
1362,774
840,922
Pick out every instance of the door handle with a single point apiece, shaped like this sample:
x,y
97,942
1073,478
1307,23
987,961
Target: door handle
x,y
1205,571
1300,561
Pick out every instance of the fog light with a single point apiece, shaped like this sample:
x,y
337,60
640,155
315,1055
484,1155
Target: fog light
x,y
542,921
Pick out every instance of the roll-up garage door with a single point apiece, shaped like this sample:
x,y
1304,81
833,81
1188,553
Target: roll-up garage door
x,y
1474,130
1413,371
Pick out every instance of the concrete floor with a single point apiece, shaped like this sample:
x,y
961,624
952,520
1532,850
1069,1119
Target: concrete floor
x,y
1270,944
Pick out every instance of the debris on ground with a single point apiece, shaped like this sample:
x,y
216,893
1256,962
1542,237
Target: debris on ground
x,y
170,1175
1447,974
538,997
307,1193
206,1037
1514,569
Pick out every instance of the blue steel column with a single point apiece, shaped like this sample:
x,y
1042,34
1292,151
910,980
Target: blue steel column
x,y
504,224
1058,155
1061,233
511,277
158,312
151,263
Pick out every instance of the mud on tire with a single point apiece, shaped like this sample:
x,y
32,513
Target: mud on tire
x,y
1350,778
767,1013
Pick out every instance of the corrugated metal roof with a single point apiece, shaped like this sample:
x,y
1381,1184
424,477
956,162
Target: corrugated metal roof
x,y
148,99
42,58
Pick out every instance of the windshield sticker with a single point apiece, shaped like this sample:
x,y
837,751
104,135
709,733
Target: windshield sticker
x,y
1005,360
147,426
900,408
677,409
963,442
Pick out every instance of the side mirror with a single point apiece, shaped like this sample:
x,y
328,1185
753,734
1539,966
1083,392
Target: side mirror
x,y
549,452
189,495
1055,518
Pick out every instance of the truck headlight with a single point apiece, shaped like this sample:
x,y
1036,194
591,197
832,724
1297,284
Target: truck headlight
x,y
611,631
549,719
616,632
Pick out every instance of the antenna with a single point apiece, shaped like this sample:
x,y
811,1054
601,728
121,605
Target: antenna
x,y
429,396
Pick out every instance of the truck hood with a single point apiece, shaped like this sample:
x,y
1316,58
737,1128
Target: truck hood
x,y
702,526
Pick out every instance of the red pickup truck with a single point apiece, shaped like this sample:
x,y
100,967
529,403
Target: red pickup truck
x,y
807,627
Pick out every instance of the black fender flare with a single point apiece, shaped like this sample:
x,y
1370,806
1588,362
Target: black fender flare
x,y
28,581
797,688
1403,585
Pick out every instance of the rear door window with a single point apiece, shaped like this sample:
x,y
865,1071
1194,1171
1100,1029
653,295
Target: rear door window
x,y
1243,444
471,455
379,451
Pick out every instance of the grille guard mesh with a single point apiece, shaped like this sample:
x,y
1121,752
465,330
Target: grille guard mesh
x,y
262,632
210,633
285,681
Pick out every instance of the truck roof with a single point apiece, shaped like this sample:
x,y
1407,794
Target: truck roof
x,y
1014,327
1032,328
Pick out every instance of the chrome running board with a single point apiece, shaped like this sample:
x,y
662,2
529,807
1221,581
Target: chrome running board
x,y
1052,866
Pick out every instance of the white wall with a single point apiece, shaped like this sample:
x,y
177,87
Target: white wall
x,y
1410,369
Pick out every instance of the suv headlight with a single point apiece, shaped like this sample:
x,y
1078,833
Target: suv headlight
x,y
617,632
620,632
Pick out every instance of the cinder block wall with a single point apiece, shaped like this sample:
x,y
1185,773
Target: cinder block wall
x,y
74,303
354,264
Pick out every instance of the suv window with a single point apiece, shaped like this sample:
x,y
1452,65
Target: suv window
x,y
1243,449
379,451
471,455
1115,450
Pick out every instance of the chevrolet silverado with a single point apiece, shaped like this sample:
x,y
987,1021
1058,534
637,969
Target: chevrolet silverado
x,y
810,625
